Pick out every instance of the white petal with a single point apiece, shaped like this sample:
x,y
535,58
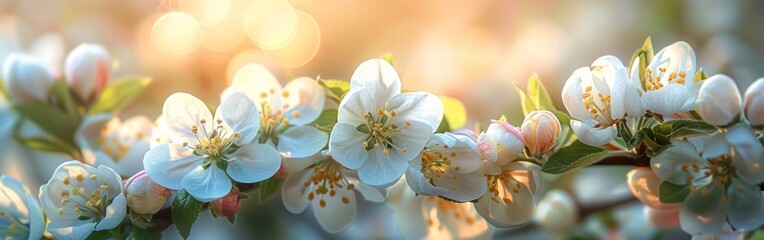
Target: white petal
x,y
36,219
258,83
418,106
71,232
464,188
487,148
26,78
336,215
572,91
168,164
634,75
208,184
305,101
346,146
115,213
702,211
749,154
715,145
410,218
379,78
632,100
182,111
413,137
301,141
667,165
590,135
670,99
293,193
240,115
419,184
521,209
369,193
132,162
87,69
745,206
467,157
87,134
254,162
354,105
618,88
293,165
380,170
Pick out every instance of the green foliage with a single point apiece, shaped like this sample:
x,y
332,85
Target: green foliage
x,y
326,121
64,100
38,143
101,235
336,88
268,188
574,156
700,76
631,140
119,93
185,210
684,127
137,233
672,193
454,114
536,97
49,118
645,54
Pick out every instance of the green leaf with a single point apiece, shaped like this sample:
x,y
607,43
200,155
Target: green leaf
x,y
64,100
684,127
336,88
455,112
49,118
574,156
645,54
100,235
700,76
389,58
119,93
537,98
443,127
42,144
326,121
268,188
757,235
672,193
185,210
137,233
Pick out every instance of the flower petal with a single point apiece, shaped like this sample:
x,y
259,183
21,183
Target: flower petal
x,y
702,211
572,93
354,105
208,184
64,232
346,146
379,78
132,162
417,106
590,135
258,83
670,99
182,111
419,183
239,114
369,193
254,162
294,195
645,185
115,213
667,165
380,170
745,206
301,141
36,219
462,187
467,157
304,101
521,209
337,212
87,134
168,164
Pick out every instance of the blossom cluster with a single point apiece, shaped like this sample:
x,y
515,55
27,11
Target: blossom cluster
x,y
698,135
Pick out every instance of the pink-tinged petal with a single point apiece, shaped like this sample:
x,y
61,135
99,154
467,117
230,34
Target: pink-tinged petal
x,y
645,185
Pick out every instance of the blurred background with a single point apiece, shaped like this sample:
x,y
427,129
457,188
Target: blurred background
x,y
470,50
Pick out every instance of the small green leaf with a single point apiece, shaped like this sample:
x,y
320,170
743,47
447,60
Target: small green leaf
x,y
336,88
42,144
119,93
63,98
684,127
672,193
49,118
537,98
389,58
645,55
444,126
185,210
326,121
268,188
137,233
455,112
574,156
700,76
100,235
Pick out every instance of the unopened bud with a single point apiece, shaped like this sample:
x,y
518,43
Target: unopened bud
x,y
87,70
26,78
540,129
557,212
228,205
508,140
144,196
645,186
754,104
719,101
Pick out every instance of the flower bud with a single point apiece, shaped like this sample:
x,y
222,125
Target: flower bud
x,y
506,141
26,78
557,212
645,186
754,104
144,196
228,205
662,218
87,70
719,100
540,129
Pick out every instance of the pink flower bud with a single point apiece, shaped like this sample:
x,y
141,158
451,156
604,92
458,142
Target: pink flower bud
x,y
144,195
87,70
645,185
228,205
754,104
719,101
26,78
540,129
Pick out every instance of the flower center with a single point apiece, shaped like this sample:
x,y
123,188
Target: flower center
x,y
326,178
498,186
458,210
214,145
719,169
599,107
117,142
435,162
381,130
14,225
272,120
87,205
652,84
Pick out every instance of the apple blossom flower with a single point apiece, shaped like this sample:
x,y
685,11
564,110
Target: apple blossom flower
x,y
329,188
754,104
645,186
286,112
144,196
597,97
501,142
80,199
719,100
663,218
723,178
228,205
668,85
379,129
87,70
557,213
449,166
105,139
158,132
540,131
20,214
205,151
26,78
430,217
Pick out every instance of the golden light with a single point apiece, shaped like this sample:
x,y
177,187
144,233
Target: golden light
x,y
243,58
271,24
300,50
226,34
176,33
207,12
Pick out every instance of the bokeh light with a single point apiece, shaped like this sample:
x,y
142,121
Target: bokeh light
x,y
176,33
271,24
302,48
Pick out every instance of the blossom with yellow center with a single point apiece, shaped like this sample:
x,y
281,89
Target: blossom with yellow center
x,y
668,86
120,145
20,214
